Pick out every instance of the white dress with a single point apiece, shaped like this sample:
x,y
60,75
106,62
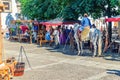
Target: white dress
x,y
56,36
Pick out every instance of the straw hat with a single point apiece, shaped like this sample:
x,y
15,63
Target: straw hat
x,y
85,15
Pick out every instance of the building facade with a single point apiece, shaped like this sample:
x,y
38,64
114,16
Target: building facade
x,y
11,12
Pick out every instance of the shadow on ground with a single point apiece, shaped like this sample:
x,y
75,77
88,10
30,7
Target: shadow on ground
x,y
87,53
109,55
116,72
67,50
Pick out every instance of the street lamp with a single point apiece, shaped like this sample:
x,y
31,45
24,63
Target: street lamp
x,y
1,36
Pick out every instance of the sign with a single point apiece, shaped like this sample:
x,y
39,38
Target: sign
x,y
8,5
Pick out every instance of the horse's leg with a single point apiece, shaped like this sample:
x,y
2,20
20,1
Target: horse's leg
x,y
99,46
81,47
91,46
95,48
78,47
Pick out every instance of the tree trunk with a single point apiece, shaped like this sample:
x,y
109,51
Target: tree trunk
x,y
109,14
109,32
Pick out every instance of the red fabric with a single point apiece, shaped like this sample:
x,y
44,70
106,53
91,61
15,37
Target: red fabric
x,y
56,24
112,19
24,28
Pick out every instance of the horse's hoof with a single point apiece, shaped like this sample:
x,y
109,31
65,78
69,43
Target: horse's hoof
x,y
93,56
100,56
79,54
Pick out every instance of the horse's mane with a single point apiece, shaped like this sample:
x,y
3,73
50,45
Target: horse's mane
x,y
76,27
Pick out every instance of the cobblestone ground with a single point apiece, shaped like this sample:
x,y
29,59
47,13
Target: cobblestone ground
x,y
50,64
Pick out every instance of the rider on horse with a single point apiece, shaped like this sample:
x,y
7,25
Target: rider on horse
x,y
85,25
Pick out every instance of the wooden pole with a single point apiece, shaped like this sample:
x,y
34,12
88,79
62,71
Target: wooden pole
x,y
106,40
1,42
1,36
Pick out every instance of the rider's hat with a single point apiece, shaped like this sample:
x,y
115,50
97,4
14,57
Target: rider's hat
x,y
85,15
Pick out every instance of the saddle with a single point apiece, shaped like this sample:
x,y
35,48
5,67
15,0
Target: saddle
x,y
84,34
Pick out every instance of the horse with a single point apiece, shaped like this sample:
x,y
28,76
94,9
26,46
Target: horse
x,y
87,34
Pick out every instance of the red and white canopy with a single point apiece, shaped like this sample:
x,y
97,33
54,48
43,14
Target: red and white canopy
x,y
116,19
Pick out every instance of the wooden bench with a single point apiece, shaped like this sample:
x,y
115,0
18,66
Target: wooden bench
x,y
21,39
45,41
15,38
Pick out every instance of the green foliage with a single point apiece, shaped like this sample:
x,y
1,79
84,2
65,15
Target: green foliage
x,y
68,9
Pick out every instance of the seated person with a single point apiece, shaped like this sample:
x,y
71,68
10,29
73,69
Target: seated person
x,y
26,34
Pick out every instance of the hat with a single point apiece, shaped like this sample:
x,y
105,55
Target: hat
x,y
85,14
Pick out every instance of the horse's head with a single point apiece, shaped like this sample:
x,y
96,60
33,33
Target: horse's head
x,y
76,26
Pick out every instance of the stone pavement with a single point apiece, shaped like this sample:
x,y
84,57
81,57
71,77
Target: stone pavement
x,y
50,64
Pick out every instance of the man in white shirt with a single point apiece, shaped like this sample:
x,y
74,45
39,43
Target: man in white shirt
x,y
56,38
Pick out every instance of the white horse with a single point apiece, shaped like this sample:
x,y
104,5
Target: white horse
x,y
94,35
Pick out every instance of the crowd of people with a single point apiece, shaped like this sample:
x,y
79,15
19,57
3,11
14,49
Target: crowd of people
x,y
24,30
61,35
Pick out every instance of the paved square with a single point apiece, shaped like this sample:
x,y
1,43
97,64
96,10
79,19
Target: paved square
x,y
48,64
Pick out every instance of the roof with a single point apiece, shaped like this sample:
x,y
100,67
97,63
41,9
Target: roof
x,y
58,21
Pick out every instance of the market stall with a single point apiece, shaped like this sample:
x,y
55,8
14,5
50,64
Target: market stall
x,y
47,25
115,44
23,27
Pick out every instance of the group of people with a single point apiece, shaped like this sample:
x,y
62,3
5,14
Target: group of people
x,y
60,35
23,30
63,35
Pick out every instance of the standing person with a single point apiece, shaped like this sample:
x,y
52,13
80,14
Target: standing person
x,y
56,37
34,36
62,37
47,36
71,36
67,31
72,31
35,31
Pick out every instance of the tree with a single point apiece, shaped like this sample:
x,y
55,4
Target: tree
x,y
98,8
70,9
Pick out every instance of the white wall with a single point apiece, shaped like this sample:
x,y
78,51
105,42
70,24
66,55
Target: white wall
x,y
13,13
